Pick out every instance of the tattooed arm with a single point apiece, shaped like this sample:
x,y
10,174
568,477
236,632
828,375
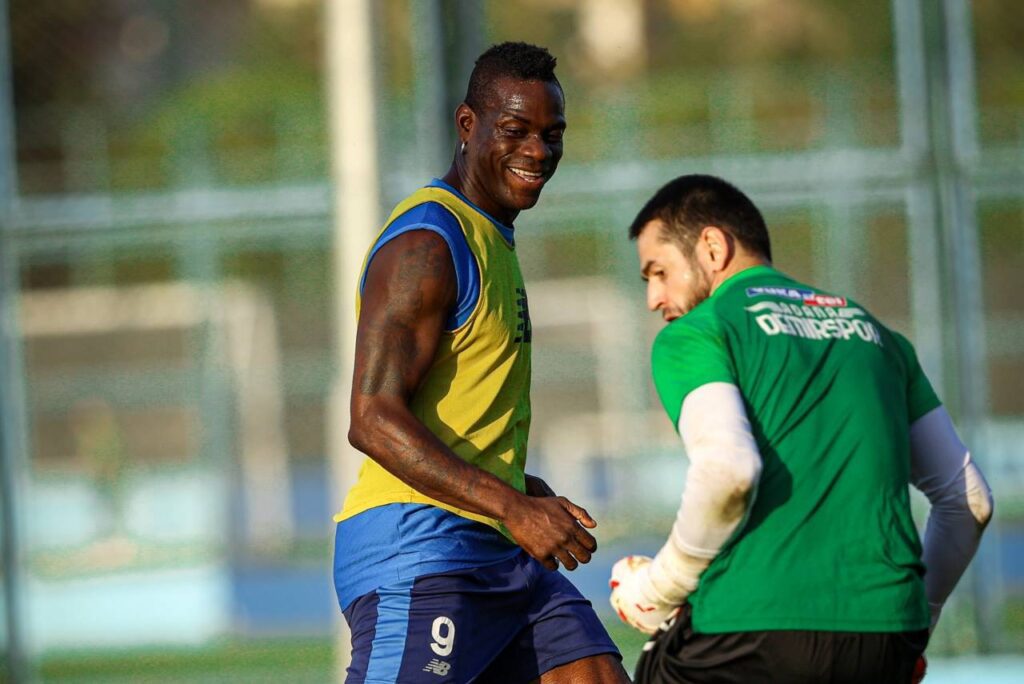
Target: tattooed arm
x,y
410,289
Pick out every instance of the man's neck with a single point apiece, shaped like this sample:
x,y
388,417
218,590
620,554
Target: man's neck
x,y
453,178
458,178
740,263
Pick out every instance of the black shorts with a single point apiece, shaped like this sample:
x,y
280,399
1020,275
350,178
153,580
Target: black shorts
x,y
678,655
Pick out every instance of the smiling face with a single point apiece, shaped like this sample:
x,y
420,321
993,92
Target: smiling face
x,y
676,282
513,145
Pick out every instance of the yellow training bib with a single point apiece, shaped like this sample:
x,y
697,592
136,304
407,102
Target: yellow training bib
x,y
476,395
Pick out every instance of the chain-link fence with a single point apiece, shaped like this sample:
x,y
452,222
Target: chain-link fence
x,y
167,281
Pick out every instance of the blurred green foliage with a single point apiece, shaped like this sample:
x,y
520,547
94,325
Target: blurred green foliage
x,y
235,96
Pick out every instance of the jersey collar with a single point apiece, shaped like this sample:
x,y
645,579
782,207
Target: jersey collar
x,y
507,232
745,274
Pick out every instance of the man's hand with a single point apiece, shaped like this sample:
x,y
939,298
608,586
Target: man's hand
x,y
629,575
550,528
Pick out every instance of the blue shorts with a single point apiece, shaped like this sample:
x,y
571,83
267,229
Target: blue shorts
x,y
506,622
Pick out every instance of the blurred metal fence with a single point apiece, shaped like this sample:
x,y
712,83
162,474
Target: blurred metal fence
x,y
167,348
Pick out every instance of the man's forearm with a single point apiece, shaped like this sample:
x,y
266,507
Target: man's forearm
x,y
942,468
720,483
725,466
392,436
551,529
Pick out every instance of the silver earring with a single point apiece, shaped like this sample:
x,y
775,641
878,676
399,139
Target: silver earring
x,y
462,149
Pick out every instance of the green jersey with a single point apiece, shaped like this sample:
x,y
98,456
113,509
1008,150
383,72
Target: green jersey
x,y
829,543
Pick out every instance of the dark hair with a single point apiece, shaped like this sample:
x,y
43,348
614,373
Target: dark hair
x,y
519,60
689,203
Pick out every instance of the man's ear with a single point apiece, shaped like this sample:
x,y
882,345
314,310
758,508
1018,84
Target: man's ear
x,y
465,119
719,247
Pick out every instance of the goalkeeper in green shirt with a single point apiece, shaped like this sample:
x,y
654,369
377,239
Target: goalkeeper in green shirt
x,y
794,556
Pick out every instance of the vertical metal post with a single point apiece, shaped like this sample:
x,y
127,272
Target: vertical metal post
x,y
469,42
8,158
351,101
11,395
923,239
951,41
939,140
199,264
433,138
968,312
840,259
11,459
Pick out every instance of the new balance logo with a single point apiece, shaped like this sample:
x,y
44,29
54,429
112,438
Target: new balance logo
x,y
438,667
524,331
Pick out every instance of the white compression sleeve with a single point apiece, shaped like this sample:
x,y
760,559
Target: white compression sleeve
x,y
725,465
941,467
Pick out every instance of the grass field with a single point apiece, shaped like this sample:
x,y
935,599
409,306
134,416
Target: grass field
x,y
285,660
281,660
312,661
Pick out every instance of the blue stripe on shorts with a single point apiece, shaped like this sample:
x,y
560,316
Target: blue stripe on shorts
x,y
392,626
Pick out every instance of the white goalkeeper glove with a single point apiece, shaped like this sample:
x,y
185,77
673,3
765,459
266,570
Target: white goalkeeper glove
x,y
632,595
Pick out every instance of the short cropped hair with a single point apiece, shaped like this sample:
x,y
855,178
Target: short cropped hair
x,y
517,60
689,203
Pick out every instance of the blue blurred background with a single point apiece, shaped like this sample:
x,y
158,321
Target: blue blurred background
x,y
173,245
